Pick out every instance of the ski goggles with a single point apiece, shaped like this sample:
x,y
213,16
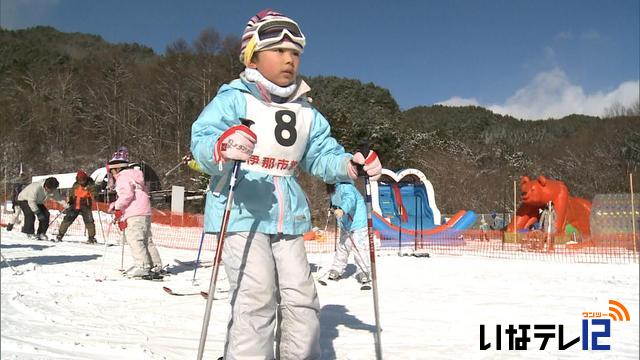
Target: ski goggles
x,y
273,31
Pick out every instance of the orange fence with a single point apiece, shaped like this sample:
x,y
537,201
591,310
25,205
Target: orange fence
x,y
184,231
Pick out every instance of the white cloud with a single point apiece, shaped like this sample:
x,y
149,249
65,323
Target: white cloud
x,y
551,95
564,35
20,14
591,35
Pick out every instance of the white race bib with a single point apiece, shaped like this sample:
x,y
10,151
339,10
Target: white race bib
x,y
282,131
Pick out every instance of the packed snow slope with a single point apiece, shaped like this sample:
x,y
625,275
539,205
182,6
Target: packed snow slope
x,y
53,307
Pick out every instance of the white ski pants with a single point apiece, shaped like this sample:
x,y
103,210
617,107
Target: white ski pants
x,y
270,274
138,235
345,247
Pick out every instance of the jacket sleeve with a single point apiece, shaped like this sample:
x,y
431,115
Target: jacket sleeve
x,y
224,111
126,194
347,198
324,157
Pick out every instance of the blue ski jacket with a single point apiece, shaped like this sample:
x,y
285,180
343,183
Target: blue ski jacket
x,y
348,198
290,135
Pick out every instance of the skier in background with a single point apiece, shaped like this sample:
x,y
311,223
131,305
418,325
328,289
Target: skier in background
x,y
351,212
20,183
80,202
132,211
31,200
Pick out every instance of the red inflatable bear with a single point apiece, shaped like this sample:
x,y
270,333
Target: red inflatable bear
x,y
535,195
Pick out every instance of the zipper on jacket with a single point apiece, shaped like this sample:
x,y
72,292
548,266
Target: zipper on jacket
x,y
276,183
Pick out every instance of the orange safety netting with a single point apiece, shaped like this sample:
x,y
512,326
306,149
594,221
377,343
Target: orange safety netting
x,y
185,231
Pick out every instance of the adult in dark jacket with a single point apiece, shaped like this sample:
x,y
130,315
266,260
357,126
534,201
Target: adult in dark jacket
x,y
31,200
80,201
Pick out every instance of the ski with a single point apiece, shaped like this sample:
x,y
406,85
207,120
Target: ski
x,y
204,264
150,278
171,292
205,294
416,254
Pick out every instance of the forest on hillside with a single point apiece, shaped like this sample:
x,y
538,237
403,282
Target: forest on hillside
x,y
69,100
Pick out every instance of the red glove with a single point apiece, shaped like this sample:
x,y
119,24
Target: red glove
x,y
237,143
122,225
371,165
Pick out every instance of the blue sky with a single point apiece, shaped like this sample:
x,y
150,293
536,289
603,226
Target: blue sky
x,y
530,59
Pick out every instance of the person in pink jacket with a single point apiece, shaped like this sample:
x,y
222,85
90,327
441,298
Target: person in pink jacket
x,y
132,210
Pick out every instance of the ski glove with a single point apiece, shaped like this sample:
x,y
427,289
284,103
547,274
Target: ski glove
x,y
237,143
122,224
338,213
186,159
372,165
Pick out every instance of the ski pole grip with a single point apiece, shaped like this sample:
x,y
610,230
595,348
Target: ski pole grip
x,y
247,122
364,150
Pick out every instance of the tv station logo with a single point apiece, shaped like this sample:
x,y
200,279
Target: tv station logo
x,y
596,329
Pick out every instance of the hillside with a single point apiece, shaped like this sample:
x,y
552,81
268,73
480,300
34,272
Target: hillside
x,y
69,100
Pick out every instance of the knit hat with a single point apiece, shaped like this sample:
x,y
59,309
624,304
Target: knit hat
x,y
119,159
252,43
81,175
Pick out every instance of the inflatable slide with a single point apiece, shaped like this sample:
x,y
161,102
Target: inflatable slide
x,y
404,209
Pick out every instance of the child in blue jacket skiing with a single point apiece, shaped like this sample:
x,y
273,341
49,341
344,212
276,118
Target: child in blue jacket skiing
x,y
264,254
351,213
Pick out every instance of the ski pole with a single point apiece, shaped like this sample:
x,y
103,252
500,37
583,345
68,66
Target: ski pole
x,y
218,255
99,219
55,218
122,254
173,169
326,225
15,272
364,149
198,257
104,254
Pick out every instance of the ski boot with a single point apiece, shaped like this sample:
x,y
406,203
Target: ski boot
x,y
92,240
137,272
334,275
9,227
363,278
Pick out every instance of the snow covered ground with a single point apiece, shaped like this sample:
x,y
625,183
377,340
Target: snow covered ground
x,y
430,308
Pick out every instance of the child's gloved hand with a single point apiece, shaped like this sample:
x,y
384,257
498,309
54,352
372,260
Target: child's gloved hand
x,y
372,165
338,213
186,159
117,215
237,143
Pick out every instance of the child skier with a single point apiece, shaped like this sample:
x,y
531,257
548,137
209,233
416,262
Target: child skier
x,y
80,201
132,211
31,200
350,211
264,253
